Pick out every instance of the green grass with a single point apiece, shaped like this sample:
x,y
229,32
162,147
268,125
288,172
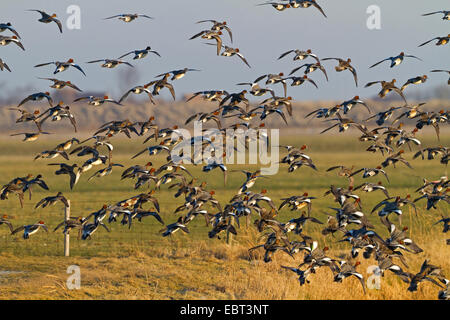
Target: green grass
x,y
165,267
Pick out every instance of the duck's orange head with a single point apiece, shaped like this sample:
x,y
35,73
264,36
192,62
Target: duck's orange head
x,y
326,249
105,97
379,183
264,191
402,53
303,147
357,263
152,170
281,74
289,98
47,93
262,125
175,127
356,98
349,60
379,167
305,77
305,194
54,15
36,112
212,192
70,60
405,228
41,222
401,151
288,5
4,216
105,206
237,49
224,23
148,164
14,37
308,51
408,196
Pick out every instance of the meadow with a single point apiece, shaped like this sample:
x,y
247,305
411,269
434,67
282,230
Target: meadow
x,y
141,264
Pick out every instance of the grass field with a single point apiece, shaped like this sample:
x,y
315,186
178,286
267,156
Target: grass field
x,y
141,264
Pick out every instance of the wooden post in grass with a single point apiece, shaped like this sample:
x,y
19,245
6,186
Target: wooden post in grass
x,y
66,234
229,234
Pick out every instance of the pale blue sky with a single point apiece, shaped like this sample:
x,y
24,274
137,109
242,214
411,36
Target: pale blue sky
x,y
261,33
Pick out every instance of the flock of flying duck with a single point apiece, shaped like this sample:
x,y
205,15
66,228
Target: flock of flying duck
x,y
387,252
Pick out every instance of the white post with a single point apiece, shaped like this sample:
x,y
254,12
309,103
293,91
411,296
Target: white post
x,y
66,235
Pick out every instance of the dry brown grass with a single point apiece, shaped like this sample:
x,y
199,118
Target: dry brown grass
x,y
140,264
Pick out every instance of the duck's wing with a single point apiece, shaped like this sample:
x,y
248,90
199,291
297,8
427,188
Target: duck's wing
x,y
17,230
285,54
70,84
298,68
355,76
95,61
316,5
436,38
219,43
112,17
126,54
145,16
324,71
59,24
436,128
243,59
43,64
171,89
374,65
78,67
334,125
197,35
378,205
411,56
72,121
9,224
312,81
428,14
125,95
